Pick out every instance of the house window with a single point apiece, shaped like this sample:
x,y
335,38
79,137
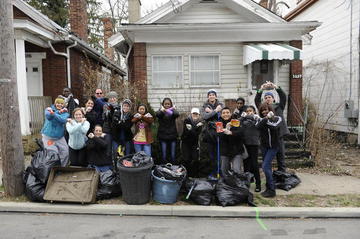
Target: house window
x,y
167,71
205,70
262,71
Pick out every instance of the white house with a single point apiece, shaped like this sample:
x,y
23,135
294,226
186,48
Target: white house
x,y
331,61
182,50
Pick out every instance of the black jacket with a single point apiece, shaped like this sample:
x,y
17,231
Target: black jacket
x,y
278,109
167,125
212,116
98,151
250,131
92,118
237,112
191,136
269,131
209,129
231,145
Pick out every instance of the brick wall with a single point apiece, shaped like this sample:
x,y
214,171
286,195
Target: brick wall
x,y
78,18
295,105
137,68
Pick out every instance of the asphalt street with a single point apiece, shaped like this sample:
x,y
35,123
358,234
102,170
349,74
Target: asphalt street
x,y
20,225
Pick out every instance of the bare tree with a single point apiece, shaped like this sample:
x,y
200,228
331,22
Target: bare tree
x,y
10,142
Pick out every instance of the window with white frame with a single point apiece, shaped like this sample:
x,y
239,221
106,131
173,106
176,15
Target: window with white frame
x,y
167,71
205,70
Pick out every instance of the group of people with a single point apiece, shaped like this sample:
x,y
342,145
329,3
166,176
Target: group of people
x,y
93,135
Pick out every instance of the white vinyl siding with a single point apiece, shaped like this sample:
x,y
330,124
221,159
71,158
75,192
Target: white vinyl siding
x,y
233,74
204,70
167,71
327,87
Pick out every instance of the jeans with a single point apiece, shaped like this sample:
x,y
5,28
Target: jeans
x,y
268,156
237,164
143,147
164,146
251,163
280,156
101,168
128,147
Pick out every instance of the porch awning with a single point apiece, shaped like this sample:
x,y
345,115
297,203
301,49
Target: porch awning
x,y
270,51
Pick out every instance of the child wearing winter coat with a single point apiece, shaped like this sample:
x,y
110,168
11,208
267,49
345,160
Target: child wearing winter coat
x,y
248,121
77,127
167,132
54,128
125,127
232,151
98,150
268,126
190,142
143,136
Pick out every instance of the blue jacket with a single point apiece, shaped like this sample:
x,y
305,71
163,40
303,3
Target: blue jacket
x,y
54,126
77,134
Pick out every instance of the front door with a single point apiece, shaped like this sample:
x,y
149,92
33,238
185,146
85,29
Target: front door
x,y
34,78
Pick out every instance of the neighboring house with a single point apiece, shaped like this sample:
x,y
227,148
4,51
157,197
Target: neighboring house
x,y
232,46
331,78
49,58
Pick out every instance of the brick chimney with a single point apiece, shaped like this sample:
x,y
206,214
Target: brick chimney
x,y
79,18
108,32
134,7
264,3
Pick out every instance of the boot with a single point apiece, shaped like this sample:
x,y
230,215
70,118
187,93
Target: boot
x,y
268,193
258,188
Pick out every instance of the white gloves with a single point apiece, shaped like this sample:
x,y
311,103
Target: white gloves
x,y
227,132
188,126
199,124
256,117
148,115
270,115
137,115
243,114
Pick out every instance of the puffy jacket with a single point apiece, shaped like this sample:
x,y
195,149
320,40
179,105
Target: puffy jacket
x,y
278,109
54,126
98,151
99,108
231,145
167,125
269,131
191,136
250,131
77,133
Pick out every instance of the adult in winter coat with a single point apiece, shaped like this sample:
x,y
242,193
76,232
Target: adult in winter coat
x,y
77,127
279,111
70,102
211,113
53,130
240,108
248,121
99,103
190,142
269,127
167,132
232,151
143,137
98,149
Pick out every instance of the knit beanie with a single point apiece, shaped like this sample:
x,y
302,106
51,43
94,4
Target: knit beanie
x,y
59,101
269,93
127,101
112,94
211,91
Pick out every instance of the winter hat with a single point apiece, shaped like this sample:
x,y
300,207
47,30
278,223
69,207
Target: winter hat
x,y
211,91
59,101
127,101
112,94
269,93
195,111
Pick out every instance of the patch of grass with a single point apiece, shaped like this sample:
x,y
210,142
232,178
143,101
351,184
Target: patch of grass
x,y
263,202
1,188
4,198
29,143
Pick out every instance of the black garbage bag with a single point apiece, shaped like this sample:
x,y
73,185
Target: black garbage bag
x,y
170,172
285,181
200,191
42,162
109,185
233,189
34,189
136,160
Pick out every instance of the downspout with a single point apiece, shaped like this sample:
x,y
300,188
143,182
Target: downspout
x,y
67,56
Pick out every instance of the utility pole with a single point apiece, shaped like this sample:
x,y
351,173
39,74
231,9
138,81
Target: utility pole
x,y
11,149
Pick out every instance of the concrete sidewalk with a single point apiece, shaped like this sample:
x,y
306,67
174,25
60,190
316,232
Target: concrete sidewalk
x,y
181,211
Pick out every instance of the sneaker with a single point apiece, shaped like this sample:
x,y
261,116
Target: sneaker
x,y
212,178
258,188
268,193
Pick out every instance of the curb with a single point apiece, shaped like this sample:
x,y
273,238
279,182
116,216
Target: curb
x,y
181,211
